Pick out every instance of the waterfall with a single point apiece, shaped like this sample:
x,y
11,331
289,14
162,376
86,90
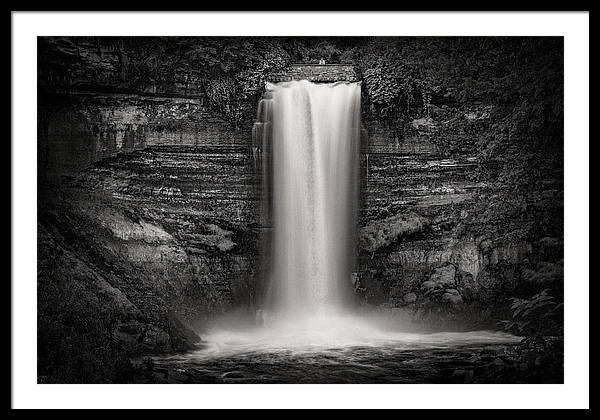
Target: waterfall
x,y
261,153
305,145
315,131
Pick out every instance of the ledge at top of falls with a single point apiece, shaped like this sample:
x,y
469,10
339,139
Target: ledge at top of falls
x,y
318,73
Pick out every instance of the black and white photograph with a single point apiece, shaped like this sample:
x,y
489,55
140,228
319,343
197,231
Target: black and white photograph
x,y
302,209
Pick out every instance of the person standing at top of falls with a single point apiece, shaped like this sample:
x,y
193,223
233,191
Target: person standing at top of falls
x,y
322,61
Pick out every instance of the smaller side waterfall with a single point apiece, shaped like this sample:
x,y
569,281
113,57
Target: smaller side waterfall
x,y
262,156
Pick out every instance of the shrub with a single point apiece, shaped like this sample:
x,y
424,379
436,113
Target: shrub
x,y
537,316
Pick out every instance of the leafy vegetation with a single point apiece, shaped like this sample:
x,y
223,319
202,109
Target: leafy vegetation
x,y
539,320
537,316
231,71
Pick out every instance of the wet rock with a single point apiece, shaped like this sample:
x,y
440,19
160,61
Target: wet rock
x,y
410,298
428,285
355,279
465,279
452,297
502,276
219,238
148,363
144,364
181,337
216,230
466,285
155,339
382,233
139,336
128,332
127,226
232,376
444,276
437,111
478,114
178,375
225,244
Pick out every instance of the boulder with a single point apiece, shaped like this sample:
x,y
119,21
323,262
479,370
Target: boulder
x,y
410,298
428,285
502,276
156,339
225,244
444,276
465,279
452,297
128,332
139,336
382,233
217,238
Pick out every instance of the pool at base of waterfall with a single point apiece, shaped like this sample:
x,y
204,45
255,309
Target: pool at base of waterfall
x,y
328,354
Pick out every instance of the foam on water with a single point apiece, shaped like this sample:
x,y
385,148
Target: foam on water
x,y
334,332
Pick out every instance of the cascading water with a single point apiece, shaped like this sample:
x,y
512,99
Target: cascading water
x,y
315,132
306,141
305,149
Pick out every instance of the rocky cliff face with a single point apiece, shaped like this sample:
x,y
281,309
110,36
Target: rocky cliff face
x,y
428,252
146,247
80,128
182,212
146,214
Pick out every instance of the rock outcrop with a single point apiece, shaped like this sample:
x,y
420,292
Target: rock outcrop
x,y
88,323
382,233
158,245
